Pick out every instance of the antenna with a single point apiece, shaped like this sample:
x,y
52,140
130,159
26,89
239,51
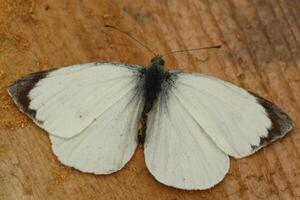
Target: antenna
x,y
151,51
143,45
195,49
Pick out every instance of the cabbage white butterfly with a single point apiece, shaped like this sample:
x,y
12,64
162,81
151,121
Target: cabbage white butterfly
x,y
96,114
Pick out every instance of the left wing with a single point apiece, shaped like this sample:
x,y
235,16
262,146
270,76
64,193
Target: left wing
x,y
65,101
91,112
108,143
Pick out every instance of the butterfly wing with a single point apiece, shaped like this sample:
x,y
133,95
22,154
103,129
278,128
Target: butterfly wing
x,y
238,121
91,112
199,120
65,101
108,143
177,150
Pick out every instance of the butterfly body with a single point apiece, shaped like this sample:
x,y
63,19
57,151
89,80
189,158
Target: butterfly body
x,y
153,77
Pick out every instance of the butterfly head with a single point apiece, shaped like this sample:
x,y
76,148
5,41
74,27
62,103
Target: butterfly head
x,y
157,61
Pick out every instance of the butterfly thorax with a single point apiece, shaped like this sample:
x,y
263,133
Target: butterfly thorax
x,y
154,76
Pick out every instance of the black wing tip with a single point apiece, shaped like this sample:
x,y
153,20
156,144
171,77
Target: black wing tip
x,y
19,90
281,122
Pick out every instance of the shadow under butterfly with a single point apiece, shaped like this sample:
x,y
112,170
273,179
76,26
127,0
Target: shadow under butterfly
x,y
189,124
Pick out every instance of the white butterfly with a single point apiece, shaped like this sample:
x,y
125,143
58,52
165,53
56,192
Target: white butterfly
x,y
190,123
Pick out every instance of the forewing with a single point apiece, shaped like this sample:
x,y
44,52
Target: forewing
x,y
177,150
65,101
238,121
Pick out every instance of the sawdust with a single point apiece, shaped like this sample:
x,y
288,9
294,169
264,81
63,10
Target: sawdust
x,y
11,116
12,37
27,190
241,76
61,174
13,43
2,149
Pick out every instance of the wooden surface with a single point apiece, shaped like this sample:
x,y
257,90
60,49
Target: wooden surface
x,y
261,41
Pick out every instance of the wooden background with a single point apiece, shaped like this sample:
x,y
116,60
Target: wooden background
x,y
261,52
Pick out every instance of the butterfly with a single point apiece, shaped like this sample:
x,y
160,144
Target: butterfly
x,y
189,124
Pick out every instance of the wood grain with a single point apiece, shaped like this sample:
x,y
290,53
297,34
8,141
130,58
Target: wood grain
x,y
261,52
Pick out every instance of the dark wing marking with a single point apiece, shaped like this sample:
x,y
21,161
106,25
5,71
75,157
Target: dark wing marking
x,y
281,122
20,89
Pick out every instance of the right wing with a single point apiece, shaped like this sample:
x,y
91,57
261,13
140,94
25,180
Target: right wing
x,y
238,121
177,150
198,120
